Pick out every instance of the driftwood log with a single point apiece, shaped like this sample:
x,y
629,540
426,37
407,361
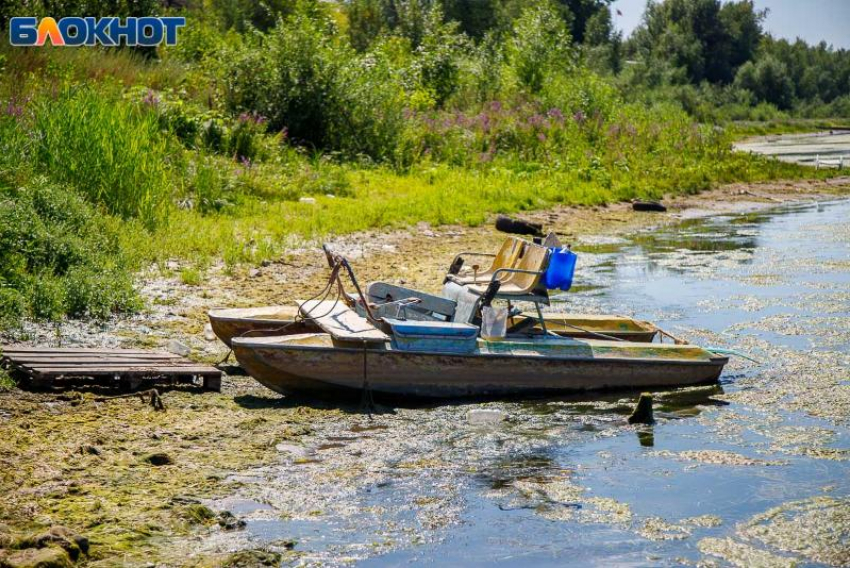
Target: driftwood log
x,y
518,226
654,206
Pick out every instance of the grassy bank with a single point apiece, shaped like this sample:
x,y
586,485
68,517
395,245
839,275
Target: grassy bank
x,y
743,129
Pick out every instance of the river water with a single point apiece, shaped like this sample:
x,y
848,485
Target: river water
x,y
755,471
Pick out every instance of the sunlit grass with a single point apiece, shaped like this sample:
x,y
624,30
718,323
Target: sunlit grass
x,y
257,230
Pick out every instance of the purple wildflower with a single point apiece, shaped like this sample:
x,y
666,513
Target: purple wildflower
x,y
541,137
484,120
579,117
556,115
535,120
252,118
151,99
14,110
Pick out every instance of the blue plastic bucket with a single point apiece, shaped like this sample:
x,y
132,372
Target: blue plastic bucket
x,y
562,266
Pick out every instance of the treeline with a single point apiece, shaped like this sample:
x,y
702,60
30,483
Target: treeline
x,y
712,58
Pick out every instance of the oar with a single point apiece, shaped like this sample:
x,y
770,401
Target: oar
x,y
588,332
724,351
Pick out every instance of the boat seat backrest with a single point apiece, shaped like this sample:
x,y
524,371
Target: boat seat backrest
x,y
534,259
508,255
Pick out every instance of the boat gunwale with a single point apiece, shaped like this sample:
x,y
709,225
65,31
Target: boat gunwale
x,y
216,314
246,343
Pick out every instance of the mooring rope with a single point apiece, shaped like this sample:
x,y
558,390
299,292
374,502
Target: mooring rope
x,y
367,401
324,292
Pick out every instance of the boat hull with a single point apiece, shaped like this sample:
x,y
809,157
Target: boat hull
x,y
592,326
313,369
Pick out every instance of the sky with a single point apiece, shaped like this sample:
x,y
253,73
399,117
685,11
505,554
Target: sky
x,y
812,20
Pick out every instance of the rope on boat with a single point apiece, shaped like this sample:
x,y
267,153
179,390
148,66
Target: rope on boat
x,y
676,340
324,293
226,357
367,401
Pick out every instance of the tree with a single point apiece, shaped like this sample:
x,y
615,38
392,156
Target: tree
x,y
602,44
580,13
367,20
541,44
768,81
709,41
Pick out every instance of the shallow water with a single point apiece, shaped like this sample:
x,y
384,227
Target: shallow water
x,y
755,471
808,149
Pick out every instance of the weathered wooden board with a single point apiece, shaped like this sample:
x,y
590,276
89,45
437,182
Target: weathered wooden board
x,y
68,369
341,322
44,365
93,358
59,350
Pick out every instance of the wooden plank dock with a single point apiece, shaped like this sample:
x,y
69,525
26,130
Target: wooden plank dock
x,y
127,367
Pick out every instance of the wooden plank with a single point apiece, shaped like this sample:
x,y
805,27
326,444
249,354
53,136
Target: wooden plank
x,y
78,371
121,357
212,383
44,364
8,349
341,322
108,365
96,360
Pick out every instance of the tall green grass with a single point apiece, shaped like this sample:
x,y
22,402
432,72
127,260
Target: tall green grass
x,y
110,150
123,67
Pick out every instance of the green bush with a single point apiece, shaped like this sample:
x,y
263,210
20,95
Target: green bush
x,y
768,80
540,46
59,256
308,84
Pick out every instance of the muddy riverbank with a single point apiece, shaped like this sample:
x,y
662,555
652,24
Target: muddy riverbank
x,y
752,471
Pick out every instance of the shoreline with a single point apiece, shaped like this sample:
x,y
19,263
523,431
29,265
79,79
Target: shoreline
x,y
417,258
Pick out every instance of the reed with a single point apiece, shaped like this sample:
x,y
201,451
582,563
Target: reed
x,y
110,150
